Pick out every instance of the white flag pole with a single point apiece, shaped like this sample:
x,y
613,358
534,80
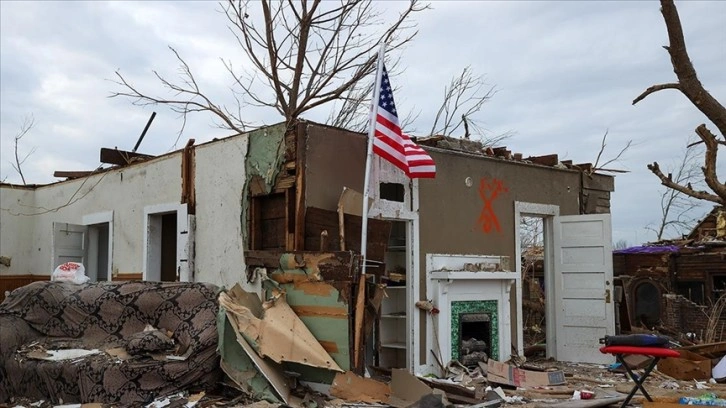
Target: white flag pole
x,y
360,297
369,157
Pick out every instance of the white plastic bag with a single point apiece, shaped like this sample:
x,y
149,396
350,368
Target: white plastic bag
x,y
70,272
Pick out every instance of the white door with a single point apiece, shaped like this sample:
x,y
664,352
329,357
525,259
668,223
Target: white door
x,y
583,286
70,244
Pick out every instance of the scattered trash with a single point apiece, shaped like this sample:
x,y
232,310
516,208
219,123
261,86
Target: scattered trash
x,y
710,399
60,355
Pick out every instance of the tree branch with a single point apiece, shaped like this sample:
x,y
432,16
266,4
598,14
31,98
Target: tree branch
x,y
653,89
668,182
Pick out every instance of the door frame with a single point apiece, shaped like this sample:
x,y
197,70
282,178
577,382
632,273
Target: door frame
x,y
547,212
105,217
406,211
181,228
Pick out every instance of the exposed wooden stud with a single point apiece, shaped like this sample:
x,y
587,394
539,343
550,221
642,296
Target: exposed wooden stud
x,y
300,202
188,196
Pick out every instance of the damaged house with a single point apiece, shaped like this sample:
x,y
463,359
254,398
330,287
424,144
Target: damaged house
x,y
278,210
674,285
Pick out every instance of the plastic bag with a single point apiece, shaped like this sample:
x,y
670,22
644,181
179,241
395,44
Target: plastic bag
x,y
70,272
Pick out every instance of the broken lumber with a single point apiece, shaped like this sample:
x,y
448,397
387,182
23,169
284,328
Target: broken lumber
x,y
121,157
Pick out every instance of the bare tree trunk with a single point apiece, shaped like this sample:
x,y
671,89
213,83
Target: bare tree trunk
x,y
28,123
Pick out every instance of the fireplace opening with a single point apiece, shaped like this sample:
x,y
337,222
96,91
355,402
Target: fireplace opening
x,y
474,337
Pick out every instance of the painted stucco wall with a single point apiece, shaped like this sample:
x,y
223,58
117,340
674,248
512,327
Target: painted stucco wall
x,y
15,231
469,207
220,224
124,191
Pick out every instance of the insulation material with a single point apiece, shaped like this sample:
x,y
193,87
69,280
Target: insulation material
x,y
274,330
351,387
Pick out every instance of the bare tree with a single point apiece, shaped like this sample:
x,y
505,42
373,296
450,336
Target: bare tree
x,y
602,166
690,86
620,244
28,123
306,53
463,97
676,207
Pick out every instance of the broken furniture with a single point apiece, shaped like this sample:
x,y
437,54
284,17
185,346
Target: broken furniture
x,y
39,319
656,352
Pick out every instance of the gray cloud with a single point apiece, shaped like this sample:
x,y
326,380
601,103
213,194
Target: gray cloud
x,y
566,72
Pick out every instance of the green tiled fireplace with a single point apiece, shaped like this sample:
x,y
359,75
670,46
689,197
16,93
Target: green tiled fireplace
x,y
487,307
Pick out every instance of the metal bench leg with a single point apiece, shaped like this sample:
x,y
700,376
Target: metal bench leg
x,y
638,382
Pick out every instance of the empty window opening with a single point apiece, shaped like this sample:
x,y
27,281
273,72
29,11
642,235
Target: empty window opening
x,y
692,291
392,192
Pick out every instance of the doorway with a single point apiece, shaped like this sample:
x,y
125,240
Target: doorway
x,y
534,281
98,268
534,247
161,247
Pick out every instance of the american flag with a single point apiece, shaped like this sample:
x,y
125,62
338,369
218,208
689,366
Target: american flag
x,y
391,144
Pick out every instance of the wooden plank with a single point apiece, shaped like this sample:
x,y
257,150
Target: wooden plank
x,y
273,235
11,282
272,207
128,276
121,157
300,202
72,174
338,265
318,220
255,223
188,195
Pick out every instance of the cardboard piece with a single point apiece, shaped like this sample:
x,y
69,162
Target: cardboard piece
x,y
277,332
237,367
502,373
350,387
690,366
406,389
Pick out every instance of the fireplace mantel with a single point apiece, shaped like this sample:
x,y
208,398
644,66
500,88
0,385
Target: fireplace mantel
x,y
476,283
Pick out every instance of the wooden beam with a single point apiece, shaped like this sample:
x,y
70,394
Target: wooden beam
x,y
72,174
300,202
121,157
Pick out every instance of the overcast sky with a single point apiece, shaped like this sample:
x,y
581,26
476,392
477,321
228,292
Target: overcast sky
x,y
566,72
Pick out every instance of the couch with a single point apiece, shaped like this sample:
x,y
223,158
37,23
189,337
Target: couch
x,y
106,316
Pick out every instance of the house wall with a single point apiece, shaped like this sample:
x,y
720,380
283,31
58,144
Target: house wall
x,y
15,231
220,178
334,159
124,191
469,207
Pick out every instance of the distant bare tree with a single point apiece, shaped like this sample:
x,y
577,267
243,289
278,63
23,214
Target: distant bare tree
x,y
677,207
620,244
27,125
463,97
598,166
306,53
690,86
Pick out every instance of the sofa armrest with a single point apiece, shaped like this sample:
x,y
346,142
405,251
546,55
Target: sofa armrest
x,y
14,332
